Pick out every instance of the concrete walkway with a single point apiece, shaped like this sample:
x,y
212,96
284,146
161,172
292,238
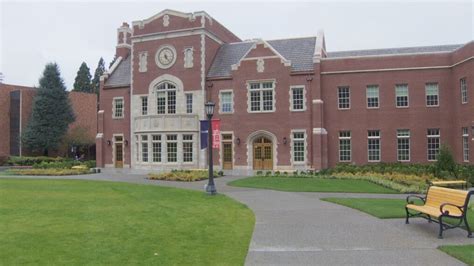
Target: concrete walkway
x,y
299,229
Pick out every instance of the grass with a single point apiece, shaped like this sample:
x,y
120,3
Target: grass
x,y
464,253
395,208
72,222
311,184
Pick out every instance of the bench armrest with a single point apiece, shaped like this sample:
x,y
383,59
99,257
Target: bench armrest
x,y
414,196
446,212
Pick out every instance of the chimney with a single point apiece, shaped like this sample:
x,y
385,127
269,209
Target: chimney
x,y
124,43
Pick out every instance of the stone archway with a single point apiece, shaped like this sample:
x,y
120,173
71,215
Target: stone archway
x,y
261,151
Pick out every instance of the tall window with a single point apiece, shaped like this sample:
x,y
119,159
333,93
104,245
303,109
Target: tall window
x,y
189,103
156,148
401,92
372,96
373,145
432,94
298,147
117,108
344,97
463,84
465,144
144,105
345,146
297,99
261,96
144,148
187,148
166,98
172,148
226,102
433,143
403,145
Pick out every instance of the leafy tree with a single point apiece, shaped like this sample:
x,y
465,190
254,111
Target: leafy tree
x,y
98,72
51,114
445,163
83,79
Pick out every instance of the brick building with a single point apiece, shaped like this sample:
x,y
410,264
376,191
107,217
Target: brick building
x,y
16,104
283,104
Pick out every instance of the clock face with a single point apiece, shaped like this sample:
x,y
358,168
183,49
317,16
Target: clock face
x,y
165,57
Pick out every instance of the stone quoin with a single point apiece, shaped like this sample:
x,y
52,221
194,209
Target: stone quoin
x,y
283,104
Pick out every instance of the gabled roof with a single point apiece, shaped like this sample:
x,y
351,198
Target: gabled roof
x,y
121,76
298,51
395,51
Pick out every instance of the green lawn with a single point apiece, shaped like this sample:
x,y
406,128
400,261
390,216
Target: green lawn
x,y
311,185
463,253
395,208
72,222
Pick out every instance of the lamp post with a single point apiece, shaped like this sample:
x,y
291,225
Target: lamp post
x,y
211,187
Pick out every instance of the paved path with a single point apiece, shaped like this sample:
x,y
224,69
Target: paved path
x,y
299,229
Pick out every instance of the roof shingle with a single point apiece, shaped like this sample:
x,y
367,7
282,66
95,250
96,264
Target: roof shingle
x,y
121,75
395,51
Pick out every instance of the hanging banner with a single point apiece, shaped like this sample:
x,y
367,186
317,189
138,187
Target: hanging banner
x,y
216,133
204,133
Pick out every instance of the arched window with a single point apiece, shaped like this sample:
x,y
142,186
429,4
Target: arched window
x,y
166,98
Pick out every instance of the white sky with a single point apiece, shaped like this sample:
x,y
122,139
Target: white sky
x,y
35,33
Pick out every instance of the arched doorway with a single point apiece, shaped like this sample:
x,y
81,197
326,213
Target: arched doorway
x,y
262,154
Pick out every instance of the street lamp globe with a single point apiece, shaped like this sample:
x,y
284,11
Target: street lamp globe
x,y
209,107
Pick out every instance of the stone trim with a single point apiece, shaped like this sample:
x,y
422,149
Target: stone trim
x,y
250,139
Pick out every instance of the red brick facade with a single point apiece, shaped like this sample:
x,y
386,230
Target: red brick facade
x,y
199,60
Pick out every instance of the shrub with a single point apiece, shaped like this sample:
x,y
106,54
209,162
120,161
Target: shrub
x,y
3,160
268,173
445,165
259,173
48,172
277,173
220,173
182,175
285,173
29,161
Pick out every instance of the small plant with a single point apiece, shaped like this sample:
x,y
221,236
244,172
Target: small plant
x,y
220,173
182,175
268,173
285,173
259,173
445,163
277,173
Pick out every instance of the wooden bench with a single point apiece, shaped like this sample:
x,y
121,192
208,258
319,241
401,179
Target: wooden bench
x,y
440,203
450,183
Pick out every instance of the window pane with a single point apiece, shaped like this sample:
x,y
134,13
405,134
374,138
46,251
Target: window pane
x,y
372,96
187,148
172,148
161,102
226,104
432,94
298,147
373,145
345,146
189,103
297,94
267,100
344,97
433,143
144,105
255,101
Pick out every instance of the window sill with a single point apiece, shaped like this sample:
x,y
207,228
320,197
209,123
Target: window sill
x,y
402,107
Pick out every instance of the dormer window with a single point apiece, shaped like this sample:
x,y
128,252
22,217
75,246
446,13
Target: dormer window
x,y
166,98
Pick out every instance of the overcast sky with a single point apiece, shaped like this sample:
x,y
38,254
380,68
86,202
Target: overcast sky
x,y
35,33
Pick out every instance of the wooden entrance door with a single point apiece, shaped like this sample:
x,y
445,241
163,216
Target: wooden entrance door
x,y
118,155
262,154
227,154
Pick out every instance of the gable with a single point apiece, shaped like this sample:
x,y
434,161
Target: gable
x,y
169,20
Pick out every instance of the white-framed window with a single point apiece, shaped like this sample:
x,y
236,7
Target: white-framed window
x,y
432,94
344,97
172,148
465,144
345,146
297,98
166,98
261,96
433,136
118,107
144,146
189,103
226,102
373,145
403,145
299,147
144,102
156,148
187,148
372,94
401,95
463,85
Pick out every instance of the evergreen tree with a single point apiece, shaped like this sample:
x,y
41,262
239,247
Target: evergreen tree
x,y
98,72
113,61
51,114
83,79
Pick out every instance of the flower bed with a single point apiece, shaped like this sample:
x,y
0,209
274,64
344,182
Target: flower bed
x,y
48,172
183,175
